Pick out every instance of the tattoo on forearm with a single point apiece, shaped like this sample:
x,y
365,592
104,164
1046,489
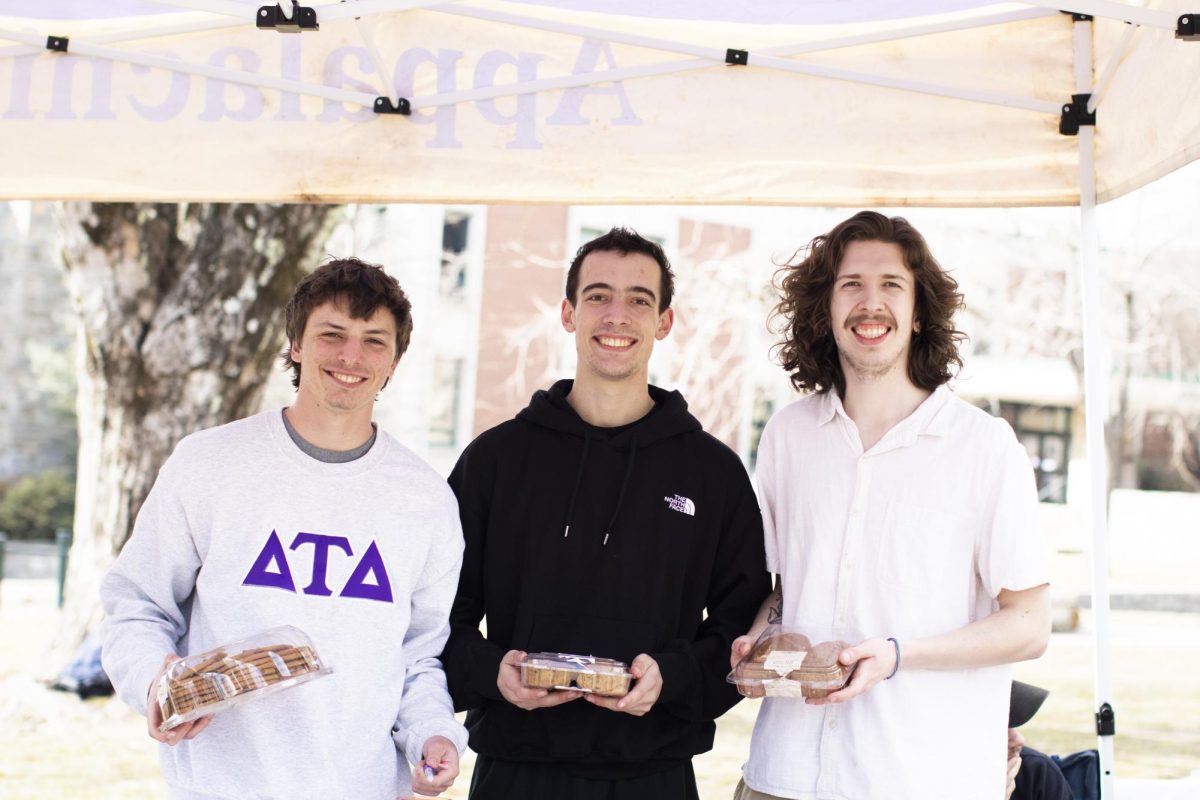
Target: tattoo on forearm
x,y
775,611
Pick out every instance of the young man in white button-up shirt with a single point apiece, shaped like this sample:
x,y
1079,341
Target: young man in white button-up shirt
x,y
900,519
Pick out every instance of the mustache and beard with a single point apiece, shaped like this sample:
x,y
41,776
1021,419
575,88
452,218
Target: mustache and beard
x,y
873,364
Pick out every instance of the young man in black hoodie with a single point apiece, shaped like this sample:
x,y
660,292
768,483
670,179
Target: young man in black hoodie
x,y
602,521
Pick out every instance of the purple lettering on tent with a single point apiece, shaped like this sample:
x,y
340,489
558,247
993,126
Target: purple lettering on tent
x,y
569,111
64,84
177,93
371,564
289,69
335,75
22,76
252,97
444,117
321,544
525,116
261,574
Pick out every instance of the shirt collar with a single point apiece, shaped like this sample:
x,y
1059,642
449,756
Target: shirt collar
x,y
926,420
831,405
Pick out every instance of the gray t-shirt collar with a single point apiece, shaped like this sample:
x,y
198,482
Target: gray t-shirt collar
x,y
329,456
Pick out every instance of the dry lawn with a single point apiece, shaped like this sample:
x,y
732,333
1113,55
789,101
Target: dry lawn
x,y
52,745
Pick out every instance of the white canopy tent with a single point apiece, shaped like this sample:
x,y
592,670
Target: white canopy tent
x,y
807,102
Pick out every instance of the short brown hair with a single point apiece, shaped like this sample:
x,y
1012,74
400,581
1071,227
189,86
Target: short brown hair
x,y
362,287
624,241
808,351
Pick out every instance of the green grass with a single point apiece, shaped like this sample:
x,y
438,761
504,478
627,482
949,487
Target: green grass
x,y
52,745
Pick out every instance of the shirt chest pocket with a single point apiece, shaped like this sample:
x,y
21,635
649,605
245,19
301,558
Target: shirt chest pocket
x,y
925,550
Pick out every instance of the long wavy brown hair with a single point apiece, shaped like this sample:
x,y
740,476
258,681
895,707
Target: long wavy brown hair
x,y
808,351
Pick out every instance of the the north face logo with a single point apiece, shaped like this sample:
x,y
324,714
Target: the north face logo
x,y
683,505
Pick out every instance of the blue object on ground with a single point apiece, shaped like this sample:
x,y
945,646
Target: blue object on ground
x,y
85,675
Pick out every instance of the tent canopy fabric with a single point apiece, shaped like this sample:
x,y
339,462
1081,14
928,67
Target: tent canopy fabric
x,y
859,103
798,102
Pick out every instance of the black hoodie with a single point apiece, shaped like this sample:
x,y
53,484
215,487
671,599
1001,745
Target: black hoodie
x,y
609,542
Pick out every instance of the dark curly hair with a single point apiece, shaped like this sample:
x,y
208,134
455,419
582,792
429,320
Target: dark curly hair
x,y
808,351
362,287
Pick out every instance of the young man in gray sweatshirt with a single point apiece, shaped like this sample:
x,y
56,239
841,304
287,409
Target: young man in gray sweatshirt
x,y
311,517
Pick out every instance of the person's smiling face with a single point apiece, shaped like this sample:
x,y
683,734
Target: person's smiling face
x,y
344,361
615,316
872,309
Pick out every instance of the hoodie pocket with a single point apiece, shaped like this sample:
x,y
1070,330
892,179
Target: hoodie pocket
x,y
590,636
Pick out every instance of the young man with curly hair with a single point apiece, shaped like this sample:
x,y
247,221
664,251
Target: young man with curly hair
x,y
899,519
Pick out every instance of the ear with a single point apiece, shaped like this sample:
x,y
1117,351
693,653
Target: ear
x,y
665,322
916,326
568,316
295,352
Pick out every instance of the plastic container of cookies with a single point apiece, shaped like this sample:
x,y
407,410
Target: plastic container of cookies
x,y
238,672
784,662
603,676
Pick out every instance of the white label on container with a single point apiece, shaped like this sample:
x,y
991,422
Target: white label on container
x,y
782,687
784,661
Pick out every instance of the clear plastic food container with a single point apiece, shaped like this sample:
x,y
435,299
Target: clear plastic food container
x,y
785,663
603,676
247,669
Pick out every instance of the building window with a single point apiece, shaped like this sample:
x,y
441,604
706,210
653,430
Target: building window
x,y
453,279
444,400
764,407
1045,431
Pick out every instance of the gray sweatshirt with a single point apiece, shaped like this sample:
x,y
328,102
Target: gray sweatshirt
x,y
243,532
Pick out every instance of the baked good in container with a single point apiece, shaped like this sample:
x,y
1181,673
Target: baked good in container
x,y
256,666
602,676
785,663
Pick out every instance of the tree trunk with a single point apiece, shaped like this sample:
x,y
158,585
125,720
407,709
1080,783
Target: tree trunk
x,y
181,315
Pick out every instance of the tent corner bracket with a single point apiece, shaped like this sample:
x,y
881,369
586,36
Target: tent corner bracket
x,y
737,58
1187,27
57,44
1078,17
299,19
1076,114
384,105
1106,721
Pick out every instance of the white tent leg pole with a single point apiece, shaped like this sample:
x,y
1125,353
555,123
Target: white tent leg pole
x,y
1095,404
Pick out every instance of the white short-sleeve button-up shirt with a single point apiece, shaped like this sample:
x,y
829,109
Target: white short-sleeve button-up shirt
x,y
912,538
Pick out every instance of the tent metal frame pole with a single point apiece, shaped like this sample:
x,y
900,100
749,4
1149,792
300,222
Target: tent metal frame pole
x,y
717,57
1106,9
562,82
387,86
364,8
708,56
175,65
908,32
359,8
224,7
1110,69
124,37
1095,404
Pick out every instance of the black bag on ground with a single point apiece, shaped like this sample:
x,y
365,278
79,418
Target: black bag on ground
x,y
84,675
